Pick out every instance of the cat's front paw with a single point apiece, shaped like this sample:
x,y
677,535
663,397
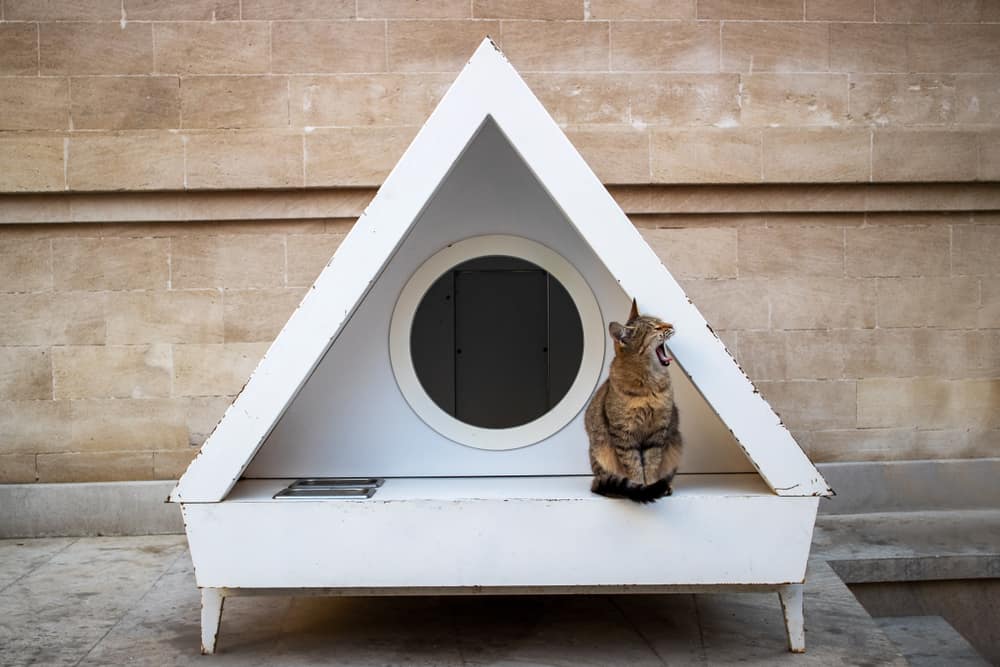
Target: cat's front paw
x,y
651,492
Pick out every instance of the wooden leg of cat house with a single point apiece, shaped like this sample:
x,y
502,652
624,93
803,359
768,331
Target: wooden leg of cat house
x,y
791,605
212,600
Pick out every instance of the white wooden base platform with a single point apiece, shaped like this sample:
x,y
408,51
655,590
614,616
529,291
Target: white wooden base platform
x,y
502,535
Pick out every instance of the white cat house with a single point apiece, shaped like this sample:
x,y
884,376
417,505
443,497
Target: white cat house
x,y
417,426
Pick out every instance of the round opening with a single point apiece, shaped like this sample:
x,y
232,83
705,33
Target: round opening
x,y
496,342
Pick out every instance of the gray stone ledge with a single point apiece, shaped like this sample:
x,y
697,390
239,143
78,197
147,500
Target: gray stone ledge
x,y
908,486
78,510
137,508
641,199
930,568
910,546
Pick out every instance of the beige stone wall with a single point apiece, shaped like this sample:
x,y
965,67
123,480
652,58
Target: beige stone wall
x,y
122,345
151,95
836,219
875,336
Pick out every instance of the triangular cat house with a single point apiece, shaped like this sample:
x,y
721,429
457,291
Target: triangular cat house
x,y
491,233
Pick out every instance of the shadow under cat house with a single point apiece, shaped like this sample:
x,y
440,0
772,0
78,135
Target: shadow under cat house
x,y
417,427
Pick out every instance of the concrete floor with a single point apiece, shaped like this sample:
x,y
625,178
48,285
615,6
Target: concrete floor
x,y
930,641
970,606
133,600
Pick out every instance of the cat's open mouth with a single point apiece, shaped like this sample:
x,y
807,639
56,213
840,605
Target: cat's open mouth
x,y
661,354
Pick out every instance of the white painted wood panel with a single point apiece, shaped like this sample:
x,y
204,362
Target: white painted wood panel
x,y
699,536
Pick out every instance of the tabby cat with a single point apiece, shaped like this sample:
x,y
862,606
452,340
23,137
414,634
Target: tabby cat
x,y
635,444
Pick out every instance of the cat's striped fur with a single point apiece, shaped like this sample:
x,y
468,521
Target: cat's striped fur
x,y
635,444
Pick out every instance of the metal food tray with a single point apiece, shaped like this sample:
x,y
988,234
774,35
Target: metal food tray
x,y
333,488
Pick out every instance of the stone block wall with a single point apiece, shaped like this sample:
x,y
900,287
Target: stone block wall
x,y
821,176
122,345
144,95
875,336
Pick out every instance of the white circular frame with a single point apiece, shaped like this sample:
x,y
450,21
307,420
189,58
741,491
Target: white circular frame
x,y
565,410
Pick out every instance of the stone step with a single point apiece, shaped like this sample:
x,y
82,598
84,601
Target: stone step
x,y
930,641
910,546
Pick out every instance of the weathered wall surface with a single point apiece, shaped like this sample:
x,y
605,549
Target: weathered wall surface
x,y
140,95
837,222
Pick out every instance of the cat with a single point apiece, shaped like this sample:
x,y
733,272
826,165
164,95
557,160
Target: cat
x,y
635,444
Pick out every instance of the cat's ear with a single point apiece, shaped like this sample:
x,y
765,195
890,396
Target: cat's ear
x,y
634,313
619,332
